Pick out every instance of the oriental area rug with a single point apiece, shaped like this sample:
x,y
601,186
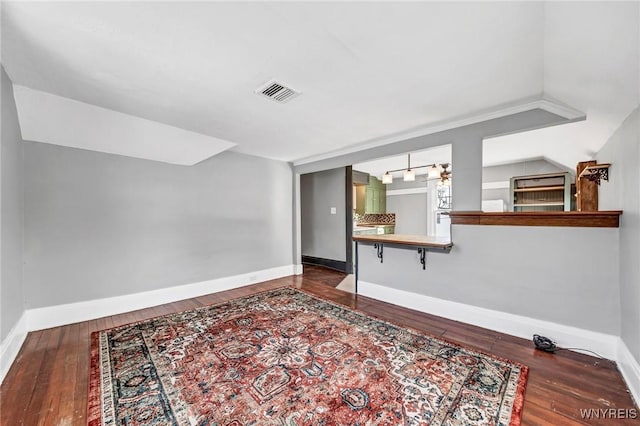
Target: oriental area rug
x,y
285,357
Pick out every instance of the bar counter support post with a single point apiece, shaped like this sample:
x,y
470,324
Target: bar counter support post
x,y
356,269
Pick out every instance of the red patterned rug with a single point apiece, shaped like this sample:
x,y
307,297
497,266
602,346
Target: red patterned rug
x,y
284,357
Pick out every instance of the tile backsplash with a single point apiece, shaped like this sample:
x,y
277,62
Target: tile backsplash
x,y
381,218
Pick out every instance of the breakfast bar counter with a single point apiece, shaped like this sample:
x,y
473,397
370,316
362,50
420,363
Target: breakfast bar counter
x,y
444,244
422,243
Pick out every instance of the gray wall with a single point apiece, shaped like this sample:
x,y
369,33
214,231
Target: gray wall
x,y
505,172
411,213
100,225
622,192
323,233
547,273
11,212
410,209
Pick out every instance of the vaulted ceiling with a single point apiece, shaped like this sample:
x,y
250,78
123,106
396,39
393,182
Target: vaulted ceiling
x,y
365,70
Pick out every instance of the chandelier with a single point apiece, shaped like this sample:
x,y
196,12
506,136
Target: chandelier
x,y
409,174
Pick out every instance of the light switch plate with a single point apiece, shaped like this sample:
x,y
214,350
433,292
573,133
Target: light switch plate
x,y
334,210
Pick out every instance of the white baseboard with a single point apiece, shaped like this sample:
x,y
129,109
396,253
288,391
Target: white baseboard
x,y
515,325
630,369
11,345
298,269
53,316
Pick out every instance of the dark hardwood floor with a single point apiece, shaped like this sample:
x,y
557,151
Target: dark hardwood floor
x,y
323,275
47,384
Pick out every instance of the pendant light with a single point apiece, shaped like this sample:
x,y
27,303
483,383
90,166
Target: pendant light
x,y
435,171
409,175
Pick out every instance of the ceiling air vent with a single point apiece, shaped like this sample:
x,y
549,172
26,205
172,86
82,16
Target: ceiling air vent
x,y
277,92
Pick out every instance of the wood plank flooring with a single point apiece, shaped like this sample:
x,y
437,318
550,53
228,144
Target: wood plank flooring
x,y
324,275
47,384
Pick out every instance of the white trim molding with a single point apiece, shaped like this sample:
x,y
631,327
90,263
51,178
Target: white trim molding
x,y
53,316
496,185
298,269
407,191
11,345
630,369
556,107
503,322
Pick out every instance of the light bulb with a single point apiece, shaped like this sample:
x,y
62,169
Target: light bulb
x,y
434,172
409,175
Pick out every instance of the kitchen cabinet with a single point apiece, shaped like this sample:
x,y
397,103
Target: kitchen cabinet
x,y
375,196
369,230
361,198
374,230
387,229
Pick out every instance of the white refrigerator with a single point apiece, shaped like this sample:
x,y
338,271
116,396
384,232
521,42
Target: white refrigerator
x,y
442,223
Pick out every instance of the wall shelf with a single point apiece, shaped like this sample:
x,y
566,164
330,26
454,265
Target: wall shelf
x,y
546,192
540,188
601,219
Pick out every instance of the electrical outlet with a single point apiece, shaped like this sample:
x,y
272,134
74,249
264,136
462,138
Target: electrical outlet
x,y
334,210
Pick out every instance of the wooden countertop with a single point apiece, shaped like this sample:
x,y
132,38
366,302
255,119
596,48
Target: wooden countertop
x,y
407,240
602,219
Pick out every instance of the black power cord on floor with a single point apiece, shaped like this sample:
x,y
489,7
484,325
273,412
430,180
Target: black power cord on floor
x,y
545,344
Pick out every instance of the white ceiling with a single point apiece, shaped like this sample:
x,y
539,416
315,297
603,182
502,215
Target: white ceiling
x,y
61,121
591,62
365,70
